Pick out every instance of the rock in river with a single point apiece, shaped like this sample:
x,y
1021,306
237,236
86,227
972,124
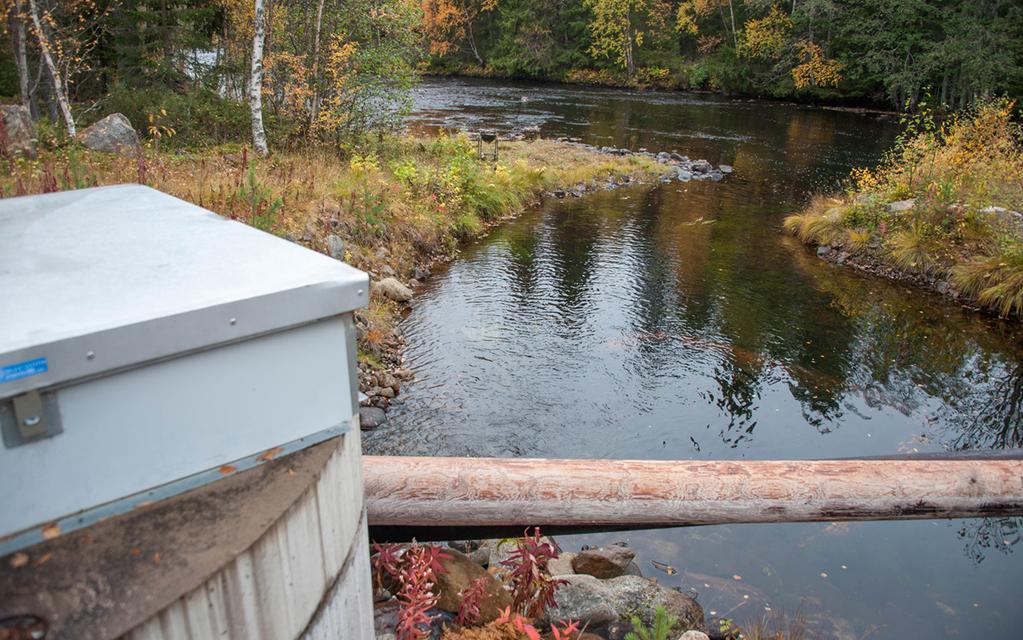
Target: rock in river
x,y
371,417
702,166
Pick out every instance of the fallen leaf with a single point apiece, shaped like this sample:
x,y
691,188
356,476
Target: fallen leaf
x,y
156,558
666,568
226,469
51,531
46,557
18,560
136,552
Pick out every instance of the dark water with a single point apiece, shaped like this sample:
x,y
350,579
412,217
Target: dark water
x,y
677,322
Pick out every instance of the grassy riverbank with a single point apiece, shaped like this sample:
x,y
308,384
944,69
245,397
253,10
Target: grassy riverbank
x,y
391,208
942,210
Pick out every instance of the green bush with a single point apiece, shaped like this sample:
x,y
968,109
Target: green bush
x,y
199,119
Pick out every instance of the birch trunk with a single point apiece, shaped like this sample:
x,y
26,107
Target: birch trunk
x,y
735,34
314,107
630,64
256,83
472,45
20,54
58,84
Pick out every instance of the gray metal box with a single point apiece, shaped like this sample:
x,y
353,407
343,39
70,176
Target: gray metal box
x,y
148,346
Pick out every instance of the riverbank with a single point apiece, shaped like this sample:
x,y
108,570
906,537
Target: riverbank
x,y
943,211
393,208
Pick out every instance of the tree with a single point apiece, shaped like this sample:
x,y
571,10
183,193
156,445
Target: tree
x,y
256,82
691,12
446,22
16,24
369,68
314,108
60,93
614,32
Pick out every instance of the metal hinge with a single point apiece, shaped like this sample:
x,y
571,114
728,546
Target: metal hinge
x,y
29,417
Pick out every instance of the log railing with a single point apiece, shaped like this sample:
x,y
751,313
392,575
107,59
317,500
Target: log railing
x,y
414,492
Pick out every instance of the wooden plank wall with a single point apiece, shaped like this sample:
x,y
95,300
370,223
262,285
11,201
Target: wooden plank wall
x,y
308,576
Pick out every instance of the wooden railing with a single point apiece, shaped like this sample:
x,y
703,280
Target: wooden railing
x,y
504,493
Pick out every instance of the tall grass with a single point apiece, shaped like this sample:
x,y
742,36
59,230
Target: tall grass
x,y
963,180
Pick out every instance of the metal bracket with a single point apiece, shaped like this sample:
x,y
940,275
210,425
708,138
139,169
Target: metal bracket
x,y
29,417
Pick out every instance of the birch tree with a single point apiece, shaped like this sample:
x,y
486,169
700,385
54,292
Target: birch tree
x,y
256,82
59,90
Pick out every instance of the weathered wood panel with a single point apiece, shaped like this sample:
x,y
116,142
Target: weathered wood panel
x,y
347,609
283,584
413,491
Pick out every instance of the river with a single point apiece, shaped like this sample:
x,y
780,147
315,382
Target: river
x,y
676,321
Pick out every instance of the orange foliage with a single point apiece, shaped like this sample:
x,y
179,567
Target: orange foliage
x,y
445,21
815,70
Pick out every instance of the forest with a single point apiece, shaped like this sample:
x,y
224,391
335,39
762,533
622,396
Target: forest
x,y
182,68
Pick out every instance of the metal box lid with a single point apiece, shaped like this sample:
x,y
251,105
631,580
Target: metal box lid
x,y
99,280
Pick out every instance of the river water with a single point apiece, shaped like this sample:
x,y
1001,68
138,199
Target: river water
x,y
677,322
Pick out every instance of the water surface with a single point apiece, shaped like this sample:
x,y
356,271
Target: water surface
x,y
676,322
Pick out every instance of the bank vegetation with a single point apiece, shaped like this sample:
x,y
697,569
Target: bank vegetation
x,y
943,209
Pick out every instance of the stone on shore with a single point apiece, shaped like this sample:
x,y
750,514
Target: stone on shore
x,y
562,565
460,575
702,166
18,129
393,289
604,562
371,418
597,602
900,206
112,134
336,247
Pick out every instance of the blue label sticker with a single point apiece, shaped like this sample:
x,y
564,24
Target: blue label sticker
x,y
20,370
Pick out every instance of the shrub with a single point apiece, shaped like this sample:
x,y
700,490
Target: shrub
x,y
199,118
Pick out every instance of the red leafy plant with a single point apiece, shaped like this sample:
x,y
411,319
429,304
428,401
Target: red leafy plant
x,y
520,623
472,597
533,587
513,626
414,569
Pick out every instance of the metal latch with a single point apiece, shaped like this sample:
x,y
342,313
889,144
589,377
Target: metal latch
x,y
29,417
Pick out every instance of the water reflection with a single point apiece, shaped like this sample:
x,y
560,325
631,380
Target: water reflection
x,y
676,321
